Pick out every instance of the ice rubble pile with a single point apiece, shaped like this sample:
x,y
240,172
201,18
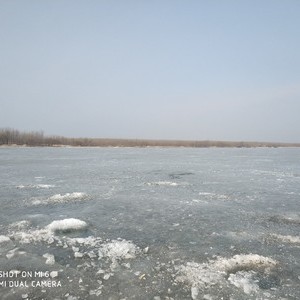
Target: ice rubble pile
x,y
90,247
240,270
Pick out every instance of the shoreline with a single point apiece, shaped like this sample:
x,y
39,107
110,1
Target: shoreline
x,y
224,145
15,138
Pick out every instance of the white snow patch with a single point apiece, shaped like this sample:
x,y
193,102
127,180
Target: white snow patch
x,y
66,225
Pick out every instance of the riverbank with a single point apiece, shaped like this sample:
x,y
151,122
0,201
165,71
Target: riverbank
x,y
15,138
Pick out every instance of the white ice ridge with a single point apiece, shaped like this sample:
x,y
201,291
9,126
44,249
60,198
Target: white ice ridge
x,y
58,198
286,238
167,183
37,186
213,195
47,234
67,197
67,225
239,270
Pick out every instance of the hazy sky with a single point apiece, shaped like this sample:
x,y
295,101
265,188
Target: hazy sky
x,y
217,69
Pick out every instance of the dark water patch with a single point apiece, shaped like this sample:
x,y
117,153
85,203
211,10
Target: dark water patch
x,y
180,175
267,282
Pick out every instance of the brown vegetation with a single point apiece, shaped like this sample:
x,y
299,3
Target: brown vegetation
x,y
14,137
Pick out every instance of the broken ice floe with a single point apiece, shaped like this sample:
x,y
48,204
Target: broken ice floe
x,y
245,280
90,247
240,270
117,249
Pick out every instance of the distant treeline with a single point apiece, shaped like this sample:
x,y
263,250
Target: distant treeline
x,y
12,137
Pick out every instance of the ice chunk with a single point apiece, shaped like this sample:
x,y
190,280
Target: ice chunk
x,y
244,280
118,250
67,225
4,239
14,252
33,236
19,225
78,254
53,274
50,260
194,292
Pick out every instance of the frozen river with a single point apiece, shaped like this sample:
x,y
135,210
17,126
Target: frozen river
x,y
149,223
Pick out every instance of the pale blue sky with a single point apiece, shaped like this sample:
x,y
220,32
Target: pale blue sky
x,y
218,69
